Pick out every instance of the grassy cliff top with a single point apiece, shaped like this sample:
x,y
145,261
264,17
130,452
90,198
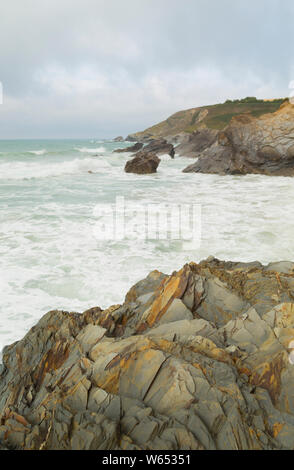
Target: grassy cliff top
x,y
214,116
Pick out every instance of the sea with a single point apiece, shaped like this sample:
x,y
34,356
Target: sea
x,y
51,257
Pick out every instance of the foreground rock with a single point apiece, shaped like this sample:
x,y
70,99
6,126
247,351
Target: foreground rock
x,y
160,147
195,360
143,163
132,148
249,145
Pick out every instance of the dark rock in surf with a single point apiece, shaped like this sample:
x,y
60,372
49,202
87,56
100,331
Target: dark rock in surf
x,y
160,147
143,163
132,148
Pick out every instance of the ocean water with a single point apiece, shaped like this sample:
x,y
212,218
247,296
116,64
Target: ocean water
x,y
50,257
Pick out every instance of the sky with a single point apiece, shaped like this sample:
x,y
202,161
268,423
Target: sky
x,y
96,68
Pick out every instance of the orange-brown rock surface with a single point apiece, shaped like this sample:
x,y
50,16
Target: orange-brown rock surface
x,y
195,360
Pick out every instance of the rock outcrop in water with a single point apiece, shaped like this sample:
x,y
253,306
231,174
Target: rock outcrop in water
x,y
250,145
143,163
133,148
195,360
160,147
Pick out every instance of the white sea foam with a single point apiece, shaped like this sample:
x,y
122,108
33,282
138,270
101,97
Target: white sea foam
x,y
91,150
38,152
27,170
165,157
50,258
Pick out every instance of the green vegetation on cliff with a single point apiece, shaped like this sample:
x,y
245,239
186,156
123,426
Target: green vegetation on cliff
x,y
214,117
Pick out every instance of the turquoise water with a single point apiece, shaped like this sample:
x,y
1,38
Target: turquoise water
x,y
49,254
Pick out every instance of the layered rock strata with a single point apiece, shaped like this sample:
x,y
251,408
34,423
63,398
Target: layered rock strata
x,y
194,360
160,147
263,145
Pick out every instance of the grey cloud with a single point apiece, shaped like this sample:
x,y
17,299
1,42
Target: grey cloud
x,y
94,67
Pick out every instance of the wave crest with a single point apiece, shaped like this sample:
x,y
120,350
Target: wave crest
x,y
28,170
37,152
90,150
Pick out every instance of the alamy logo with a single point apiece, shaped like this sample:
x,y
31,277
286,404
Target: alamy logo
x,y
135,221
1,93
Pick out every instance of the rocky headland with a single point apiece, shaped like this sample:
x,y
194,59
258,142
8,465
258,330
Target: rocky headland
x,y
238,137
194,360
263,145
215,117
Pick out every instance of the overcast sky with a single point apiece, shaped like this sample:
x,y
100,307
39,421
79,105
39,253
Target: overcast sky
x,y
96,68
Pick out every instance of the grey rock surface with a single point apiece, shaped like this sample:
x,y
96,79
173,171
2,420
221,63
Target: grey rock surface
x,y
192,145
160,147
261,145
194,360
133,148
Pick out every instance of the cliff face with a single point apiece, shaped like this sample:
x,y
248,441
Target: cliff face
x,y
192,145
195,360
252,145
215,117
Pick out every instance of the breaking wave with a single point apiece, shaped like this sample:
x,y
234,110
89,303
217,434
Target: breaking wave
x,y
91,150
38,152
27,170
